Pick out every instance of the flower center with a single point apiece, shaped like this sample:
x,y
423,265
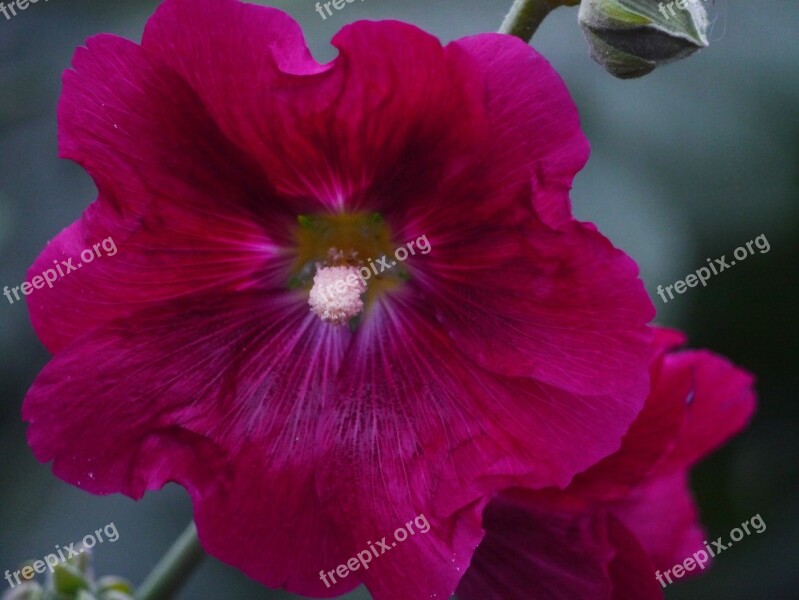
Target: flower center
x,y
334,256
336,294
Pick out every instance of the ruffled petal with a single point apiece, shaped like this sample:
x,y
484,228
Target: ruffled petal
x,y
651,437
663,516
538,549
630,570
698,400
534,124
390,113
184,211
718,400
533,552
218,376
145,137
227,404
562,307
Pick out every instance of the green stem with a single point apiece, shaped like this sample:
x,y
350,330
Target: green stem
x,y
526,15
174,568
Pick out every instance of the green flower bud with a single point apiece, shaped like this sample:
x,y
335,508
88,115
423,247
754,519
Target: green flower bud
x,y
629,38
68,580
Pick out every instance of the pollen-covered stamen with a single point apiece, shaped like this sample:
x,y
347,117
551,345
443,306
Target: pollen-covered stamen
x,y
334,264
336,293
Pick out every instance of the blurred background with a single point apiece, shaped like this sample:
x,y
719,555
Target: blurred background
x,y
688,163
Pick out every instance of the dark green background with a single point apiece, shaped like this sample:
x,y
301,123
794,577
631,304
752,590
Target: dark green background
x,y
688,163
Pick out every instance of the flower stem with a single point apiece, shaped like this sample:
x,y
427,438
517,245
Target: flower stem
x,y
174,568
526,15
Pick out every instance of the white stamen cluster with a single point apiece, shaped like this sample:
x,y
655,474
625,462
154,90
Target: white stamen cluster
x,y
336,294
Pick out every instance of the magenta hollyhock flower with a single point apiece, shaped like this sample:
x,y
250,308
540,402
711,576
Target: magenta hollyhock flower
x,y
244,184
607,534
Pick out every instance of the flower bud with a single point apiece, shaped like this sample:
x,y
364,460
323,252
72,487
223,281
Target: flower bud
x,y
629,38
68,580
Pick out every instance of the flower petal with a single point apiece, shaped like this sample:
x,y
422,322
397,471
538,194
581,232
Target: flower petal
x,y
145,137
184,210
148,375
348,134
563,307
698,400
433,434
664,518
227,404
540,547
718,400
529,554
534,123
631,570
651,437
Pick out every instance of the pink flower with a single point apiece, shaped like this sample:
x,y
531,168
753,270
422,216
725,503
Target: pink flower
x,y
605,536
233,169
